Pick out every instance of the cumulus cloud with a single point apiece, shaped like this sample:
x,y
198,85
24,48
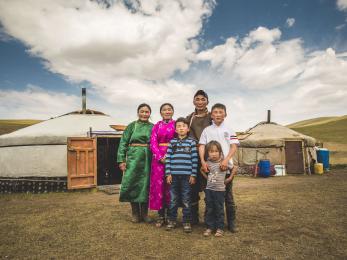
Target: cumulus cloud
x,y
108,45
35,102
290,22
259,60
256,73
342,5
131,55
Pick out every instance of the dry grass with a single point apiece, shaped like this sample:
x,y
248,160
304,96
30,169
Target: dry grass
x,y
10,125
293,217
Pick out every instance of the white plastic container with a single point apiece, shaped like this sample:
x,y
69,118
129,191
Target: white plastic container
x,y
280,170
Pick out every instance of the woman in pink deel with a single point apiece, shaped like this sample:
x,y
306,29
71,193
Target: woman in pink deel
x,y
159,191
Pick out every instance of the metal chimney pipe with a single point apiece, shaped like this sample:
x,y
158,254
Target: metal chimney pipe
x,y
84,101
268,116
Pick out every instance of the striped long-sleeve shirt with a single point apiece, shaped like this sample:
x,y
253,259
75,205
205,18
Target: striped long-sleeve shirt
x,y
181,157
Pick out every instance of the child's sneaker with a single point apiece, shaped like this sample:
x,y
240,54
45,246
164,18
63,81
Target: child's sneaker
x,y
187,227
207,232
219,233
170,225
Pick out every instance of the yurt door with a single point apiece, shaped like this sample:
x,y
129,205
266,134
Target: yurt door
x,y
81,162
294,157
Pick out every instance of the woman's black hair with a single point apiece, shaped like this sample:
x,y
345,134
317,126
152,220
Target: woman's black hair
x,y
211,144
166,104
144,105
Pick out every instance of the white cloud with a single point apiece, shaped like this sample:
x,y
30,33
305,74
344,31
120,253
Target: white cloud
x,y
290,22
342,5
252,76
131,57
35,103
339,27
258,61
84,40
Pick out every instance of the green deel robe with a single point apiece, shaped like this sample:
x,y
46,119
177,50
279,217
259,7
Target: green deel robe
x,y
135,182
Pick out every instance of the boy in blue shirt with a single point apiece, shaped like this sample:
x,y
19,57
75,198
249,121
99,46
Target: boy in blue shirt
x,y
180,170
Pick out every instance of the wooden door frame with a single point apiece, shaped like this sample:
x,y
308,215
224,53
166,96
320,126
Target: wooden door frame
x,y
116,136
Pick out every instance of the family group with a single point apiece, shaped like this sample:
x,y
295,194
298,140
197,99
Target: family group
x,y
165,166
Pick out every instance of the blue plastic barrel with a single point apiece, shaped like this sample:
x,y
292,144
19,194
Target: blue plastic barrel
x,y
264,168
323,157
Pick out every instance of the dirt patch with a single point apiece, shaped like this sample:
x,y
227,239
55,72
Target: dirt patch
x,y
293,217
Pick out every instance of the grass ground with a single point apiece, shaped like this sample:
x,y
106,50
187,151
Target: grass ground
x,y
292,217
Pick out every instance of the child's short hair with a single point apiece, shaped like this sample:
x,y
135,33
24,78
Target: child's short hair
x,y
211,144
181,120
220,106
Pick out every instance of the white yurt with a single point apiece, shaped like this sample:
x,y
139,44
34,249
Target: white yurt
x,y
78,149
279,144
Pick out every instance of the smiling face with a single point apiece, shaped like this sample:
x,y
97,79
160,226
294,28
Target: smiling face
x,y
218,115
144,113
166,112
200,102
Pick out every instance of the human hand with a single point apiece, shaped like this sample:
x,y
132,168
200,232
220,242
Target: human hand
x,y
192,180
169,179
224,165
162,160
204,167
122,166
228,180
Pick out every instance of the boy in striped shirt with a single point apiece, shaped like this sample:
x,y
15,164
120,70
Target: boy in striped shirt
x,y
180,170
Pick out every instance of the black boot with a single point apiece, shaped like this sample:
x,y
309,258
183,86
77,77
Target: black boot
x,y
135,212
144,213
230,208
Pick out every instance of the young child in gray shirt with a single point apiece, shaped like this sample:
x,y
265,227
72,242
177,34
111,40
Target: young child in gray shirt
x,y
215,190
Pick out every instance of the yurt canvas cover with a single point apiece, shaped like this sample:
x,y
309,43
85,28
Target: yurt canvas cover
x,y
279,144
41,150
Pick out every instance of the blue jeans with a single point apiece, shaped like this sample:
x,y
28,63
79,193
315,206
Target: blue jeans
x,y
180,191
214,217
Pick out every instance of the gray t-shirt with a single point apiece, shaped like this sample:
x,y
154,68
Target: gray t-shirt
x,y
216,177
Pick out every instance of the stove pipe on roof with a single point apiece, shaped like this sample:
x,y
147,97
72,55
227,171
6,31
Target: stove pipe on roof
x,y
84,101
268,116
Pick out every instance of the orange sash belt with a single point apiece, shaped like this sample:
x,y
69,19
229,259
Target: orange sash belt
x,y
141,145
164,144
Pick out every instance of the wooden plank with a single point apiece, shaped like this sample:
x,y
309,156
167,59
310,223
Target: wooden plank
x,y
82,160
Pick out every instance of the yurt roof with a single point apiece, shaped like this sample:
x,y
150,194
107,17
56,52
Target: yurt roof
x,y
56,130
270,134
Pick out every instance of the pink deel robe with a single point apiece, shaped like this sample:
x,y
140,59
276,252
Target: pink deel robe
x,y
159,191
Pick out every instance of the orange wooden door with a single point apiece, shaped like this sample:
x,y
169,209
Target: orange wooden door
x,y
81,162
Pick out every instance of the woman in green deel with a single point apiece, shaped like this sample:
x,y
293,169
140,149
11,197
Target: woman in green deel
x,y
134,158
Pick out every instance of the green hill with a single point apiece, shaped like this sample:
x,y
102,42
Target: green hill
x,y
332,131
10,125
324,129
316,121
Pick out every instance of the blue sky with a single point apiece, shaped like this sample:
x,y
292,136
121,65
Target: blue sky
x,y
288,56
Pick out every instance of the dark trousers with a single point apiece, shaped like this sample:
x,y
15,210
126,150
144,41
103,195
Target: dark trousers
x,y
230,207
214,215
195,198
180,191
